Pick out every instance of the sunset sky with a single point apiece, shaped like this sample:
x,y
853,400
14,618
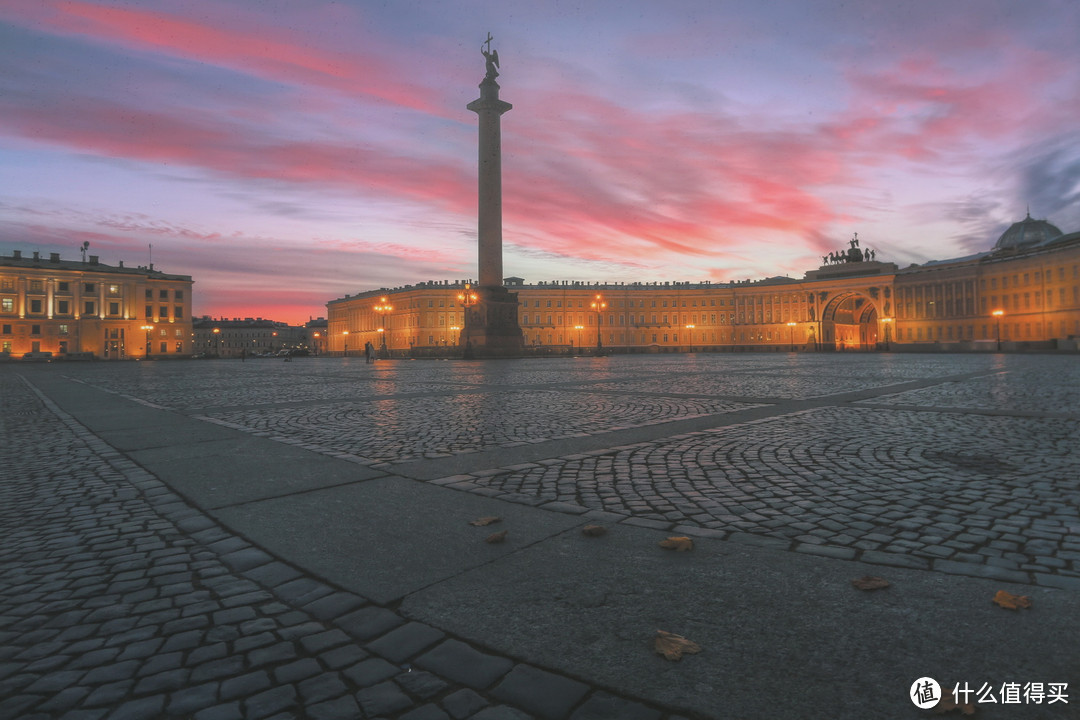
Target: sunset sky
x,y
287,153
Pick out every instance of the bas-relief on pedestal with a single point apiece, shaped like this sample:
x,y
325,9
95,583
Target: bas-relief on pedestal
x,y
491,325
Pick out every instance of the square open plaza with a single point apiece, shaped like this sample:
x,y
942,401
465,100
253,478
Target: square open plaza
x,y
226,539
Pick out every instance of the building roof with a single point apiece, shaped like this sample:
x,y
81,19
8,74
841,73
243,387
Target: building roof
x,y
18,260
1028,233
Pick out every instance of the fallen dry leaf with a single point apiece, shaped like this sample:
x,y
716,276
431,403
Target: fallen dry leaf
x,y
673,646
679,544
497,537
594,530
1010,601
486,521
947,704
869,582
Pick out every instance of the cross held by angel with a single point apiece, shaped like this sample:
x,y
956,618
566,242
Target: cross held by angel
x,y
491,57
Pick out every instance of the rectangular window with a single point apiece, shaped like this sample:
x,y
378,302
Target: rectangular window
x,y
7,329
114,290
149,311
163,294
88,308
63,287
163,312
114,308
35,329
35,306
63,329
178,294
7,305
37,286
88,287
63,307
178,312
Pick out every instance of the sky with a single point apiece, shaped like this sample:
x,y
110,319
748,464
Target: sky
x,y
285,154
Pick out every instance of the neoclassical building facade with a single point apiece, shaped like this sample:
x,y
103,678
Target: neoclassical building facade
x,y
1024,293
68,308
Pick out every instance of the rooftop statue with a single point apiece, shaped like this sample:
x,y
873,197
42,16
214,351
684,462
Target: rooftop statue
x,y
492,59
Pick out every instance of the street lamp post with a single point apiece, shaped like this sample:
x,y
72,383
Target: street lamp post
x,y
345,334
690,328
217,342
888,323
382,308
579,328
791,329
598,305
998,314
147,328
468,299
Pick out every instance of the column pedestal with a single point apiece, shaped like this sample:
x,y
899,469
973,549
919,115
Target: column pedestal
x,y
491,325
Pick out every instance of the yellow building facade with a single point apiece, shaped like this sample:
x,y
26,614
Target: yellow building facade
x,y
1030,279
53,308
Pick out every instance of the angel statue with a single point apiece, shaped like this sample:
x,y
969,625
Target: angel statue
x,y
492,59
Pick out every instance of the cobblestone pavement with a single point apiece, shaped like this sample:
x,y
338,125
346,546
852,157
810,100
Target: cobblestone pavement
x,y
118,599
372,431
989,496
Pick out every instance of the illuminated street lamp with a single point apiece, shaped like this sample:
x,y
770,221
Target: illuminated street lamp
x,y
579,328
217,341
888,324
598,305
791,329
345,334
468,299
315,345
148,329
457,336
998,314
691,329
382,308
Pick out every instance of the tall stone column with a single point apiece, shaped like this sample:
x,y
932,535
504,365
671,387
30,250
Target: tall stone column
x,y
490,109
491,324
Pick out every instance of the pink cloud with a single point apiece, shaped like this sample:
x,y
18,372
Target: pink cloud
x,y
262,50
170,138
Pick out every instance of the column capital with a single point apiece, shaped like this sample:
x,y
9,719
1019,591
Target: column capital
x,y
489,99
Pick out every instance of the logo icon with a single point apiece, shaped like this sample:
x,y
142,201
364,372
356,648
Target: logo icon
x,y
925,693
